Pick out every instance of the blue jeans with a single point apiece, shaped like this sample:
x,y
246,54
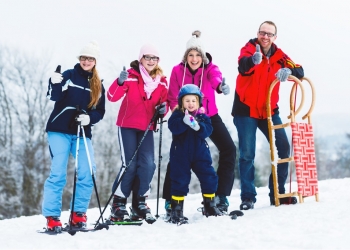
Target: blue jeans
x,y
246,129
61,146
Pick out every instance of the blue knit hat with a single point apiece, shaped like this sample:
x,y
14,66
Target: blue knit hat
x,y
189,89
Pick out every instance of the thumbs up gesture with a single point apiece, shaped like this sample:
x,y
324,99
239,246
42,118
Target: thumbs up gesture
x,y
56,76
224,87
257,57
122,77
190,121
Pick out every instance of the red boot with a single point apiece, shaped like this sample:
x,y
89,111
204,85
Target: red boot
x,y
79,219
53,223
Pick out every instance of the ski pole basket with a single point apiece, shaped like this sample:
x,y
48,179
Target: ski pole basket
x,y
302,143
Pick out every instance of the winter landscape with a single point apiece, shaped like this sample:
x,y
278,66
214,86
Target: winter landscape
x,y
308,31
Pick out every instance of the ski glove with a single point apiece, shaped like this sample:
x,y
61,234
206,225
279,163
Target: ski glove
x,y
224,87
56,78
257,57
162,108
190,121
122,77
282,74
83,119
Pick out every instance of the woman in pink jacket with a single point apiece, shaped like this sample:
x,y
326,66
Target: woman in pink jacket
x,y
197,68
144,88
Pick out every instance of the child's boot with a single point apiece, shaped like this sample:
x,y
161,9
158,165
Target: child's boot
x,y
210,208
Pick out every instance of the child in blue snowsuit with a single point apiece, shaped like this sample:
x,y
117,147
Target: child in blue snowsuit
x,y
189,150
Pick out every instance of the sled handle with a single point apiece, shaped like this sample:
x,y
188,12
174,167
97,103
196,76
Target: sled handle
x,y
313,97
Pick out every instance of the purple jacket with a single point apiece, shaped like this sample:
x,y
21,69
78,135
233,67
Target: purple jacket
x,y
212,78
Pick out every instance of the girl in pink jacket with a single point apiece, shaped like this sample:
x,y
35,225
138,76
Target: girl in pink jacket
x,y
144,88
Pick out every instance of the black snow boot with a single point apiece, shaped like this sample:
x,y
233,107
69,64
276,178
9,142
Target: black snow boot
x,y
210,208
139,206
118,210
177,205
246,204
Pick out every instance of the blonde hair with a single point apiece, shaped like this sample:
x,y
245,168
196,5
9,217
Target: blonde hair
x,y
95,87
156,71
182,103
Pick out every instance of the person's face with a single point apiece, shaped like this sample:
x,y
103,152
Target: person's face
x,y
263,34
149,62
194,59
87,63
190,102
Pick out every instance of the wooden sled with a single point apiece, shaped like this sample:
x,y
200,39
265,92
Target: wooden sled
x,y
302,143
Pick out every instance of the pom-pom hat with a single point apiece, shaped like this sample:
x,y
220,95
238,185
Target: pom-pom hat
x,y
195,43
91,49
189,89
148,49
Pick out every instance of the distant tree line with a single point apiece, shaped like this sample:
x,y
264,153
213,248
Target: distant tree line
x,y
24,154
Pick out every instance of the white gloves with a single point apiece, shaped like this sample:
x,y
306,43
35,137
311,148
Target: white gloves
x,y
190,121
83,119
56,78
224,87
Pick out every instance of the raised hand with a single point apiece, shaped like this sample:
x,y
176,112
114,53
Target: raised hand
x,y
257,57
224,87
123,76
56,76
282,74
190,121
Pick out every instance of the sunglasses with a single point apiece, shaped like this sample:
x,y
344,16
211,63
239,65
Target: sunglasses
x,y
263,33
149,58
83,58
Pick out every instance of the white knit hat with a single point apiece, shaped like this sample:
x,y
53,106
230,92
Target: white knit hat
x,y
148,49
195,43
91,49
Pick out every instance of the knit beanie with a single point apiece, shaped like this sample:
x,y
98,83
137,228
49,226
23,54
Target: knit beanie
x,y
148,49
91,49
195,43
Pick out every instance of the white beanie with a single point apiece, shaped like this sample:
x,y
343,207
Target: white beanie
x,y
148,49
195,43
91,49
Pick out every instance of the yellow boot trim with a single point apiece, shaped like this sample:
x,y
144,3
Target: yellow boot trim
x,y
178,198
211,196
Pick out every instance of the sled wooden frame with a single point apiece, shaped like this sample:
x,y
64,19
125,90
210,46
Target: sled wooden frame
x,y
272,127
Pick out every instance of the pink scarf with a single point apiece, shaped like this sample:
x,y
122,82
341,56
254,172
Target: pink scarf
x,y
150,83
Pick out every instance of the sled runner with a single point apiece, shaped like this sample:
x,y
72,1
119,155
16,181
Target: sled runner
x,y
302,143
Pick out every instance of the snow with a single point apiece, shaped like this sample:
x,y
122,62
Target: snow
x,y
309,225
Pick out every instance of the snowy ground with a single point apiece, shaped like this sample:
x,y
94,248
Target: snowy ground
x,y
311,225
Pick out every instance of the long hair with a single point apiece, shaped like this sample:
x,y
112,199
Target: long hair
x,y
95,87
156,71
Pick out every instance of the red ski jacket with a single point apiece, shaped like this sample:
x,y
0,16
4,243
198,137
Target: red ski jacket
x,y
136,111
253,81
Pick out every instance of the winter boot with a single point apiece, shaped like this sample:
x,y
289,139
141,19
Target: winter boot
x,y
53,223
118,210
177,205
222,203
140,210
210,208
246,204
167,207
79,219
285,201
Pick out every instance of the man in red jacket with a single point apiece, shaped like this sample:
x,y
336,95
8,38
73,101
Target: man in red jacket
x,y
259,64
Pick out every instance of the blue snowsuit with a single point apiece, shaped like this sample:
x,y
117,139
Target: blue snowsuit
x,y
189,150
61,129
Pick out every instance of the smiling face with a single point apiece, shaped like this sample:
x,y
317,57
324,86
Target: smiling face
x,y
194,59
149,62
263,34
87,63
190,102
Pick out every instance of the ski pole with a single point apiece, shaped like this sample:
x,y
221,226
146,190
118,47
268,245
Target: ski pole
x,y
160,157
98,225
132,157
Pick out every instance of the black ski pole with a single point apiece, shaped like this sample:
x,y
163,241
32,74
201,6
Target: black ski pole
x,y
132,157
160,157
98,225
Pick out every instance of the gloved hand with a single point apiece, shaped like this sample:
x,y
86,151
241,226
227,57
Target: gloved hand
x,y
190,121
257,57
282,74
123,76
162,109
82,119
224,87
56,78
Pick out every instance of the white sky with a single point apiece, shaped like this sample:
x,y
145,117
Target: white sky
x,y
310,225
